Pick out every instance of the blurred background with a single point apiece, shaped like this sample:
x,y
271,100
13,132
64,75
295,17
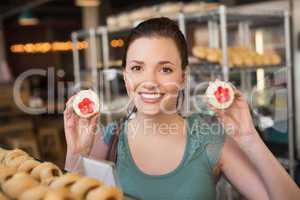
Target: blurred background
x,y
50,49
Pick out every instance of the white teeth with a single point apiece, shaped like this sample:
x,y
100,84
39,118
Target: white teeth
x,y
151,96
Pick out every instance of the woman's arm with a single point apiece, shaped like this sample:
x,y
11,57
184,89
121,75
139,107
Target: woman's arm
x,y
100,148
98,152
240,172
278,182
238,124
81,137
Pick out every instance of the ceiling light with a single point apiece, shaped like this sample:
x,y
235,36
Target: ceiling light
x,y
27,19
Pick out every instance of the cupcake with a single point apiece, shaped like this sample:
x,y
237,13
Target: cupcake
x,y
86,103
220,94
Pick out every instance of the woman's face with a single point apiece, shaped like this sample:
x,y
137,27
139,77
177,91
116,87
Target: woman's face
x,y
153,74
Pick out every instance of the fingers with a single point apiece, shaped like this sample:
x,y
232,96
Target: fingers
x,y
70,100
94,123
219,112
68,113
94,119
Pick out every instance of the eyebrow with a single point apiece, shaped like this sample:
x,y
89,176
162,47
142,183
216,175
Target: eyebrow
x,y
166,62
137,61
160,62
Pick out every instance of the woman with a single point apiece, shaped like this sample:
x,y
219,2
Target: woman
x,y
161,155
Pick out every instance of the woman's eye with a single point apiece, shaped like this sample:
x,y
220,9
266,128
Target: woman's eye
x,y
166,70
136,68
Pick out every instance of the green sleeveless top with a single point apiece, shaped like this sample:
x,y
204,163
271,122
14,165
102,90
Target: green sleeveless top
x,y
193,178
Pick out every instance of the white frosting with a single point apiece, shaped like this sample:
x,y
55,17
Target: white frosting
x,y
210,94
92,96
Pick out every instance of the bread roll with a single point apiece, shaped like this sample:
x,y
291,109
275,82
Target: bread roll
x,y
199,52
3,153
60,194
258,59
28,166
213,55
105,193
275,59
34,193
19,183
2,197
84,185
236,60
6,173
14,154
16,162
45,170
65,181
49,181
266,60
248,61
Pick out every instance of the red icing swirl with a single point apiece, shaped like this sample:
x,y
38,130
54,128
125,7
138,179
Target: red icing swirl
x,y
222,94
86,106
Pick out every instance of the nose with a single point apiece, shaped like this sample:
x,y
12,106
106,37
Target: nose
x,y
149,85
150,82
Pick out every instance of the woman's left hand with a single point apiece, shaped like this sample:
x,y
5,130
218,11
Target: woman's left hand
x,y
236,119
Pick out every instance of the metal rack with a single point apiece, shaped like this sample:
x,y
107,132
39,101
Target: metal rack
x,y
217,21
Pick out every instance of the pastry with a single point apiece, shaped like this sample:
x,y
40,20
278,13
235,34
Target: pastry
x,y
220,94
2,197
213,55
105,193
275,59
2,154
6,173
60,194
16,162
65,181
28,166
266,60
13,154
49,181
45,170
34,193
258,59
199,52
84,185
237,61
20,182
86,103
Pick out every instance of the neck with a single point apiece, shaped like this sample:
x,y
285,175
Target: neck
x,y
161,124
158,118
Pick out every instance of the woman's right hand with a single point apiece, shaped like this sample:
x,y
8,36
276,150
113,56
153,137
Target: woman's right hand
x,y
79,132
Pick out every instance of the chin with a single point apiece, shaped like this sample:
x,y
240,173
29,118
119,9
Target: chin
x,y
148,111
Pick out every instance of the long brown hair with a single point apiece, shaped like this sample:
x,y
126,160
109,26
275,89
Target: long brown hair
x,y
155,27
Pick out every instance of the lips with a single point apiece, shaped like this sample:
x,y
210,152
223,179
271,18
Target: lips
x,y
151,97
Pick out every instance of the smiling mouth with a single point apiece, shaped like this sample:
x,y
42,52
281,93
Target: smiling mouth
x,y
151,97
